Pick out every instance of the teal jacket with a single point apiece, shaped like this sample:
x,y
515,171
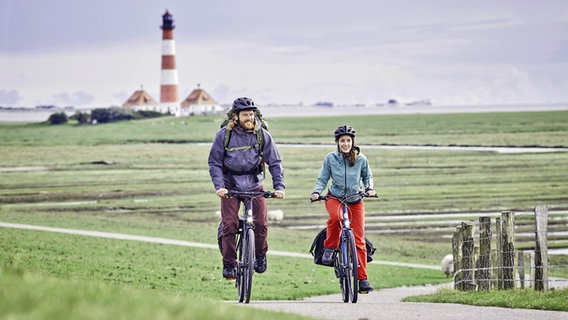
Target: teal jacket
x,y
345,180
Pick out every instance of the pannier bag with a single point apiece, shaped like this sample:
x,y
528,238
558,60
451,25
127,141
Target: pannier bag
x,y
317,248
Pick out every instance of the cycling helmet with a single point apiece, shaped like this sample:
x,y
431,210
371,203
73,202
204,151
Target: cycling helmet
x,y
344,130
243,103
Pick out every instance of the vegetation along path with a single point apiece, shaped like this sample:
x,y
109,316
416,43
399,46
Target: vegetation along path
x,y
384,304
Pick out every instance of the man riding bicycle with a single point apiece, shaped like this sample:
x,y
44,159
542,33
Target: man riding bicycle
x,y
348,170
238,164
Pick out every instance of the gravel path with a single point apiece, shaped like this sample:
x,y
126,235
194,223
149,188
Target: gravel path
x,y
386,304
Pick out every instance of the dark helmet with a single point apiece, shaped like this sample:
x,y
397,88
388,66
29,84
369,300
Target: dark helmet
x,y
344,130
243,103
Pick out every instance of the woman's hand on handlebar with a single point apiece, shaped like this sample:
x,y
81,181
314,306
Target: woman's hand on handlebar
x,y
314,197
279,194
371,193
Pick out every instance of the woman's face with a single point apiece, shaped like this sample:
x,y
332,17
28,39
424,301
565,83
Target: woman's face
x,y
345,143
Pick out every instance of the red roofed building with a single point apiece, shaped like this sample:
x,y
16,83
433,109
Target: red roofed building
x,y
140,100
199,102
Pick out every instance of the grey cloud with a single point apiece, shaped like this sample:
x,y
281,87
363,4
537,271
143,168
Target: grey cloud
x,y
9,97
78,98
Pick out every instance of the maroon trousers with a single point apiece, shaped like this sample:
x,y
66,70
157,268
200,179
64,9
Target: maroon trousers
x,y
230,217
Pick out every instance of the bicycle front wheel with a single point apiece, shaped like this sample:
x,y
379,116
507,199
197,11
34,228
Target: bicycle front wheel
x,y
350,281
246,267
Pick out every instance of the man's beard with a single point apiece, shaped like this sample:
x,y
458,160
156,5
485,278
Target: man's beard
x,y
248,125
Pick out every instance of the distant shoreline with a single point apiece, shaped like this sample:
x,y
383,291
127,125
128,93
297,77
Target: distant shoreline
x,y
40,115
303,111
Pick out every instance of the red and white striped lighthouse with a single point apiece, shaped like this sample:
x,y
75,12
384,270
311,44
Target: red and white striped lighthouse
x,y
169,80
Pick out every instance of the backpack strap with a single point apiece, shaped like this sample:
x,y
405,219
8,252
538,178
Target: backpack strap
x,y
227,138
260,142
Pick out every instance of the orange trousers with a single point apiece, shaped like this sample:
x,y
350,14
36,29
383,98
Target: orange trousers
x,y
356,213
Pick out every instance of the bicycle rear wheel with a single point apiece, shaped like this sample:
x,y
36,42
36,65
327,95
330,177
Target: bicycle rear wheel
x,y
246,267
349,280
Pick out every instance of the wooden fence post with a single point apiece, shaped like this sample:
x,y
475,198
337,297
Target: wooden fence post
x,y
483,276
468,256
532,269
499,253
521,269
456,250
541,249
508,247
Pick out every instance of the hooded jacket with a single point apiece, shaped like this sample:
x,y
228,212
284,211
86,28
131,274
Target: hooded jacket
x,y
345,180
239,167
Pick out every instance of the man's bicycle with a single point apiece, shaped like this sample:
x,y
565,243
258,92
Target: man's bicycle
x,y
245,242
345,256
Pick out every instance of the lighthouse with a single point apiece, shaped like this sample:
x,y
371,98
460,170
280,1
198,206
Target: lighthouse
x,y
169,96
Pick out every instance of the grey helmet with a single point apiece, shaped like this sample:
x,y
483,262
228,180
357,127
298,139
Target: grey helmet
x,y
243,103
344,130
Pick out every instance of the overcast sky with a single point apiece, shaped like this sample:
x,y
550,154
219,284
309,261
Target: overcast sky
x,y
97,53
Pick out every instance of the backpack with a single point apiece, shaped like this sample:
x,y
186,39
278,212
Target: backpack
x,y
317,248
259,136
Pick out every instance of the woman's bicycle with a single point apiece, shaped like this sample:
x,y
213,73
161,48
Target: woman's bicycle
x,y
245,242
345,256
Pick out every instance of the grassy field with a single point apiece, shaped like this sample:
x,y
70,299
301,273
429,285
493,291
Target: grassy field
x,y
519,299
150,178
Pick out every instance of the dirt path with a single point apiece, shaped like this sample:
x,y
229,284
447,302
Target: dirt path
x,y
386,305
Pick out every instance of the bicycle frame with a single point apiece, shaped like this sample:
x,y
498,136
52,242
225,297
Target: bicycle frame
x,y
246,242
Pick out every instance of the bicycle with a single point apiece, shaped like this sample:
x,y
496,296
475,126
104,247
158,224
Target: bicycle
x,y
245,242
345,256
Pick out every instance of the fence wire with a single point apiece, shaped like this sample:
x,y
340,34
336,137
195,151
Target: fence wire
x,y
494,262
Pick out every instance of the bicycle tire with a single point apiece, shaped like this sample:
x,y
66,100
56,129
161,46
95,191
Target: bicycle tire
x,y
342,267
352,275
248,266
342,272
240,270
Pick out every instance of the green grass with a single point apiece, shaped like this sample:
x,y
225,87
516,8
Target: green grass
x,y
517,299
176,269
157,184
486,129
24,295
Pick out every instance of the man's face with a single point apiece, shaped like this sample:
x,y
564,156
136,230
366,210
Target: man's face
x,y
246,119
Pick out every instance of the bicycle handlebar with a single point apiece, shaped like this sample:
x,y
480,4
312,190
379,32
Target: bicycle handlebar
x,y
250,194
344,198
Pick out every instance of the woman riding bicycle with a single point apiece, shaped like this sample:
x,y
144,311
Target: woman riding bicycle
x,y
347,168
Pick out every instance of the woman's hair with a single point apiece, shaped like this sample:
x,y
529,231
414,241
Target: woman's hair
x,y
352,156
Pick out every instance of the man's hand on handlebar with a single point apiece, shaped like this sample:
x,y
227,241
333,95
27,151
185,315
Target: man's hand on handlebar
x,y
279,194
371,193
222,193
314,197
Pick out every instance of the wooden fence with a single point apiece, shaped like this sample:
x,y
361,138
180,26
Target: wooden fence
x,y
483,268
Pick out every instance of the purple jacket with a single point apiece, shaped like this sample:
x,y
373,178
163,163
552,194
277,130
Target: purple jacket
x,y
239,168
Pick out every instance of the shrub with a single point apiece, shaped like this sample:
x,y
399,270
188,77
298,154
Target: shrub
x,y
57,118
112,114
81,117
148,114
